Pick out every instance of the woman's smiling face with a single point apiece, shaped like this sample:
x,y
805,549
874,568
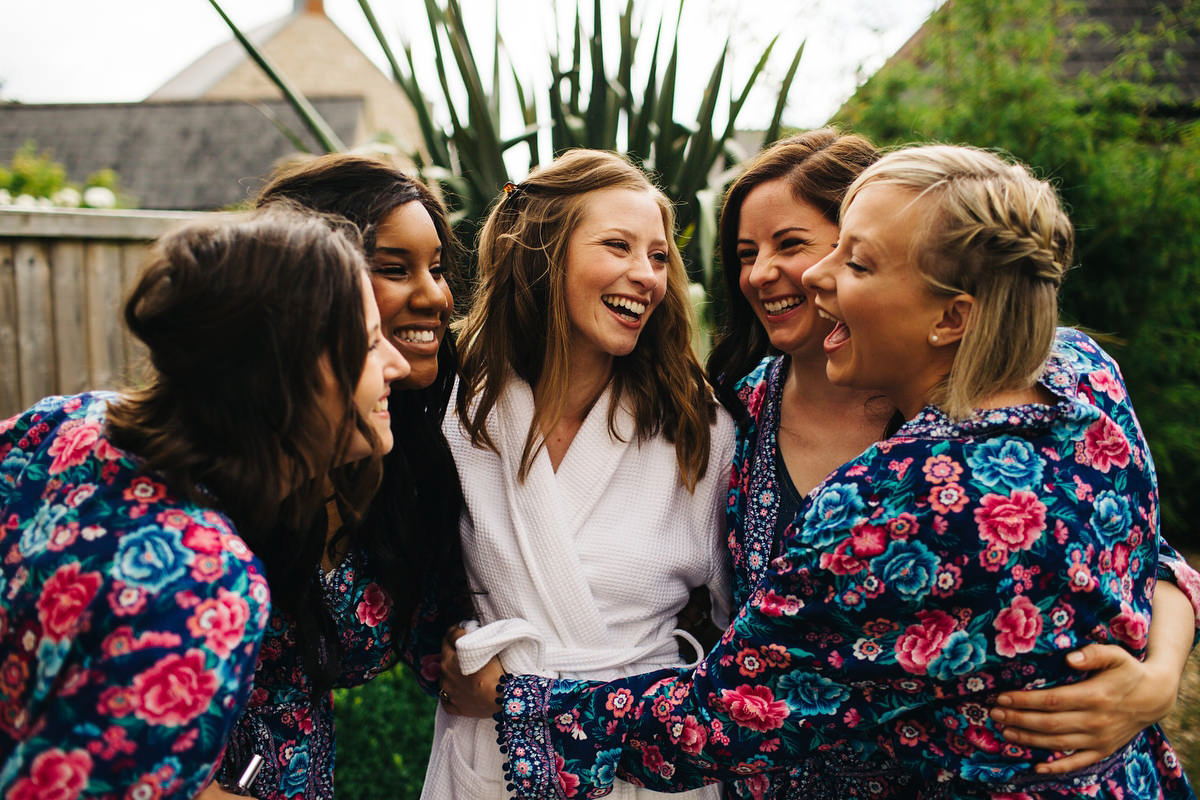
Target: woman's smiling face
x,y
883,309
780,236
410,286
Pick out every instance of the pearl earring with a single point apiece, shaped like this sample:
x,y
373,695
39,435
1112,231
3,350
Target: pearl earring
x,y
933,338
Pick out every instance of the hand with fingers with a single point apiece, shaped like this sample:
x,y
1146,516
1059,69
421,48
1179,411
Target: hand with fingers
x,y
1090,720
474,695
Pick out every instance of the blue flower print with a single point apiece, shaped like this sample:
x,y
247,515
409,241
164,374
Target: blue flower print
x,y
834,509
37,532
605,771
151,558
807,693
295,775
1007,463
962,654
908,567
1111,517
1140,776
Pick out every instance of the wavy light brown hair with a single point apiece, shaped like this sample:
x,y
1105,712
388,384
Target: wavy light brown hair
x,y
518,323
993,231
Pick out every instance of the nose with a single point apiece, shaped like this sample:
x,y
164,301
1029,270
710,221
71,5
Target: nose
x,y
395,366
819,277
762,271
642,273
428,293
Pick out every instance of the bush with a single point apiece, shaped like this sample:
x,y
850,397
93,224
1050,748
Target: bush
x,y
1125,154
384,733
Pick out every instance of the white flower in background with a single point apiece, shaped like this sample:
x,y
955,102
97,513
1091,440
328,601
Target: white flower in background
x,y
99,197
5,197
67,198
43,202
25,201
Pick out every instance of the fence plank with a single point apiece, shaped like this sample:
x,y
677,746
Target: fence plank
x,y
133,258
35,318
10,365
70,303
106,355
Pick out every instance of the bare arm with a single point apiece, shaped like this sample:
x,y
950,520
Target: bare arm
x,y
1092,719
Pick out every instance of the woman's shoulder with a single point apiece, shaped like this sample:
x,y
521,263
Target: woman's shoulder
x,y
752,390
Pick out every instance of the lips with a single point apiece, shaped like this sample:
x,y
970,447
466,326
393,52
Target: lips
x,y
840,333
782,305
628,307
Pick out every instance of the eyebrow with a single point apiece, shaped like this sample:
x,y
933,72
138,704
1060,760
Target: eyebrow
x,y
400,251
779,233
628,234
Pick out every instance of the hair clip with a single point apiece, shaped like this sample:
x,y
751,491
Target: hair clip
x,y
512,194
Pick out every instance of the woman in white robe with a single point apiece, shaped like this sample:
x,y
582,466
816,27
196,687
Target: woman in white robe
x,y
593,459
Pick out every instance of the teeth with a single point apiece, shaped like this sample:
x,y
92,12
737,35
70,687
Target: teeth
x,y
380,406
632,306
415,335
775,306
826,315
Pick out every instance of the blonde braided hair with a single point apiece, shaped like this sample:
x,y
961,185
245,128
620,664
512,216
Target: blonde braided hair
x,y
993,231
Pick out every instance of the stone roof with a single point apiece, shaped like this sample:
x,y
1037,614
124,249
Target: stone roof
x,y
190,155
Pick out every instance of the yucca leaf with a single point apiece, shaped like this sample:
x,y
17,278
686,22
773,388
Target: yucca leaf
x,y
781,102
311,118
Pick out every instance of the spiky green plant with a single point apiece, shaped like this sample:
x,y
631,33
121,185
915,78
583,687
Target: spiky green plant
x,y
585,106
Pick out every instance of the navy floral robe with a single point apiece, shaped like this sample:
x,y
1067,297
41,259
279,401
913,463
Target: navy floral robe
x,y
946,564
130,618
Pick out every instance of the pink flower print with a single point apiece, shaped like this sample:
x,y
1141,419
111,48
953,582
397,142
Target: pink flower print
x,y
840,562
983,739
652,758
1103,381
74,442
79,494
923,642
568,781
64,599
754,707
221,622
948,498
1130,627
941,469
375,606
1105,446
54,775
775,605
63,536
619,702
693,735
1011,523
126,600
1018,627
868,540
947,581
202,539
900,467
174,690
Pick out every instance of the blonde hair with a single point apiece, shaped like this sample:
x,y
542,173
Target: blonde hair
x,y
994,231
518,320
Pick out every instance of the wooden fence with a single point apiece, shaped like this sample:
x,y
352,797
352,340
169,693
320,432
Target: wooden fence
x,y
63,277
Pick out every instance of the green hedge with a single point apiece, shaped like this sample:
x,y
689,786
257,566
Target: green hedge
x,y
384,730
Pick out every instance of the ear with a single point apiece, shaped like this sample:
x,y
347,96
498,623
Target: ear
x,y
952,323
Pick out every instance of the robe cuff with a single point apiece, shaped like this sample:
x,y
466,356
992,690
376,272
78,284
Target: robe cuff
x,y
522,724
1173,568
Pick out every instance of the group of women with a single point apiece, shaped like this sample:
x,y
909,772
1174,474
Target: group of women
x,y
935,496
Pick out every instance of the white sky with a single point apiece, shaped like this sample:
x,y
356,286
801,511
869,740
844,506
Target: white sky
x,y
121,50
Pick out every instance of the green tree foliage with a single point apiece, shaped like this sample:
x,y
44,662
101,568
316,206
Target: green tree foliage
x,y
1125,154
384,734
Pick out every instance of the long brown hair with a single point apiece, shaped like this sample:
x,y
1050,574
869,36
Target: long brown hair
x,y
522,277
409,535
237,316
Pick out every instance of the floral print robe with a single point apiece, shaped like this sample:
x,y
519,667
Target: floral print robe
x,y
130,618
292,730
946,564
